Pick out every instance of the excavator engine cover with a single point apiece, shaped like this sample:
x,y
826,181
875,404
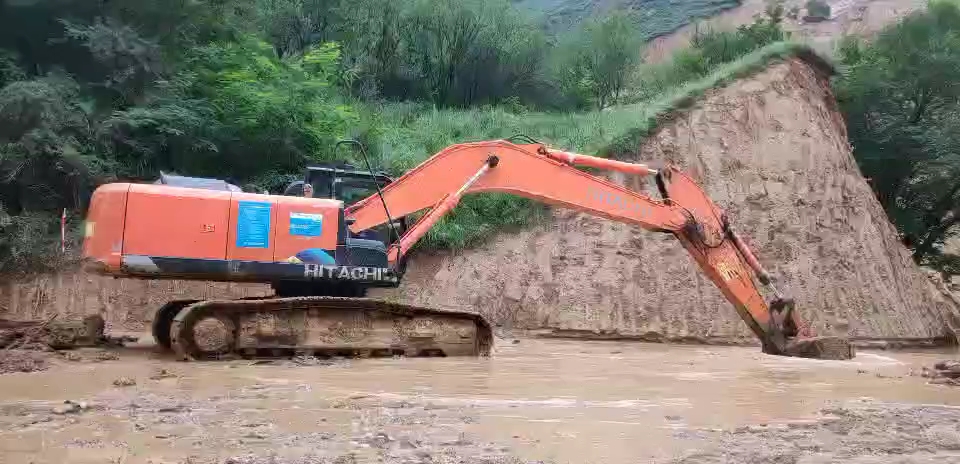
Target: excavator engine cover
x,y
319,270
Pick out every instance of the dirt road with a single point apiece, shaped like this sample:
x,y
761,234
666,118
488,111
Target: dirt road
x,y
549,401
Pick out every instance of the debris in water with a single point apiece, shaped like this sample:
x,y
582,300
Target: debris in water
x,y
106,356
71,356
21,361
307,360
943,373
162,374
124,382
51,334
70,407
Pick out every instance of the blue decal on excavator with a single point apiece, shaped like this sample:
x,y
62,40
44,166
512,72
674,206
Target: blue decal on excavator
x,y
313,256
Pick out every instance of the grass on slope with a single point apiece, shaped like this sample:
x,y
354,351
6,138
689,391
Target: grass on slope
x,y
412,135
478,216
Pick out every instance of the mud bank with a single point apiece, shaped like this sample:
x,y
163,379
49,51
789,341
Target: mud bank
x,y
125,304
627,403
864,432
772,150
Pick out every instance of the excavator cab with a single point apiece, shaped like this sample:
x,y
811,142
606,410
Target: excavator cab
x,y
349,184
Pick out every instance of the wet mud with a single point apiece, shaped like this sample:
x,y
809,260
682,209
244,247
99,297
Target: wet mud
x,y
534,401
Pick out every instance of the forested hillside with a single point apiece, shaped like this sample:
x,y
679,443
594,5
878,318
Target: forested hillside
x,y
900,94
251,91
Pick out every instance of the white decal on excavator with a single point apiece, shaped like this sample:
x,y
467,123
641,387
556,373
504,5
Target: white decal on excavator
x,y
641,208
320,271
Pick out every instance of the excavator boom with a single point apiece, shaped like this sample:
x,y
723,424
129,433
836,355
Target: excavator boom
x,y
540,173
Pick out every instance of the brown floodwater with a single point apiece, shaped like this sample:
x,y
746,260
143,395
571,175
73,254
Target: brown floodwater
x,y
552,400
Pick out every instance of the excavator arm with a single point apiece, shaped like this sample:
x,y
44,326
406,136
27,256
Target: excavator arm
x,y
538,172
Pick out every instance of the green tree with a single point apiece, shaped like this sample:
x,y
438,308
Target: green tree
x,y
451,53
900,98
9,70
45,165
95,91
598,59
236,110
292,26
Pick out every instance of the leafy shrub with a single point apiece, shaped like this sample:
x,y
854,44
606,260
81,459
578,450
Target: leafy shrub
x,y
899,96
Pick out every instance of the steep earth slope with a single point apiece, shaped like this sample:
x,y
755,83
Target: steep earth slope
x,y
772,150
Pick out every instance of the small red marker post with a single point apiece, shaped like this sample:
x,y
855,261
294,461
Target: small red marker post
x,y
63,231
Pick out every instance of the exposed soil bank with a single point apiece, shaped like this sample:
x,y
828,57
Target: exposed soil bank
x,y
771,150
125,304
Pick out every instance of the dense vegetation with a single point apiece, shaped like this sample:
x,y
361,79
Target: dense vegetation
x,y
251,91
901,97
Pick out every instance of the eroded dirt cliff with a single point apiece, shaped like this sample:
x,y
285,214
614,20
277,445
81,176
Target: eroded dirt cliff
x,y
771,150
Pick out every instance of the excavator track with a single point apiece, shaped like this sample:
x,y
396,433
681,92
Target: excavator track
x,y
324,326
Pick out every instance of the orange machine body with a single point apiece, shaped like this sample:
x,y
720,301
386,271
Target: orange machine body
x,y
160,231
163,231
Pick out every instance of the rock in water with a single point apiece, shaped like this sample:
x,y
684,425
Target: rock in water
x,y
944,373
88,332
945,365
124,382
953,372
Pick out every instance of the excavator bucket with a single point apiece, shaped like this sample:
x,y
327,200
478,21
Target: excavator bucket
x,y
726,258
836,348
804,345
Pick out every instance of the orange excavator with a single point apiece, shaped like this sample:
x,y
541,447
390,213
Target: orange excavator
x,y
321,251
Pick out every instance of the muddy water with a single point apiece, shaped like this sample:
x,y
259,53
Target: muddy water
x,y
557,401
